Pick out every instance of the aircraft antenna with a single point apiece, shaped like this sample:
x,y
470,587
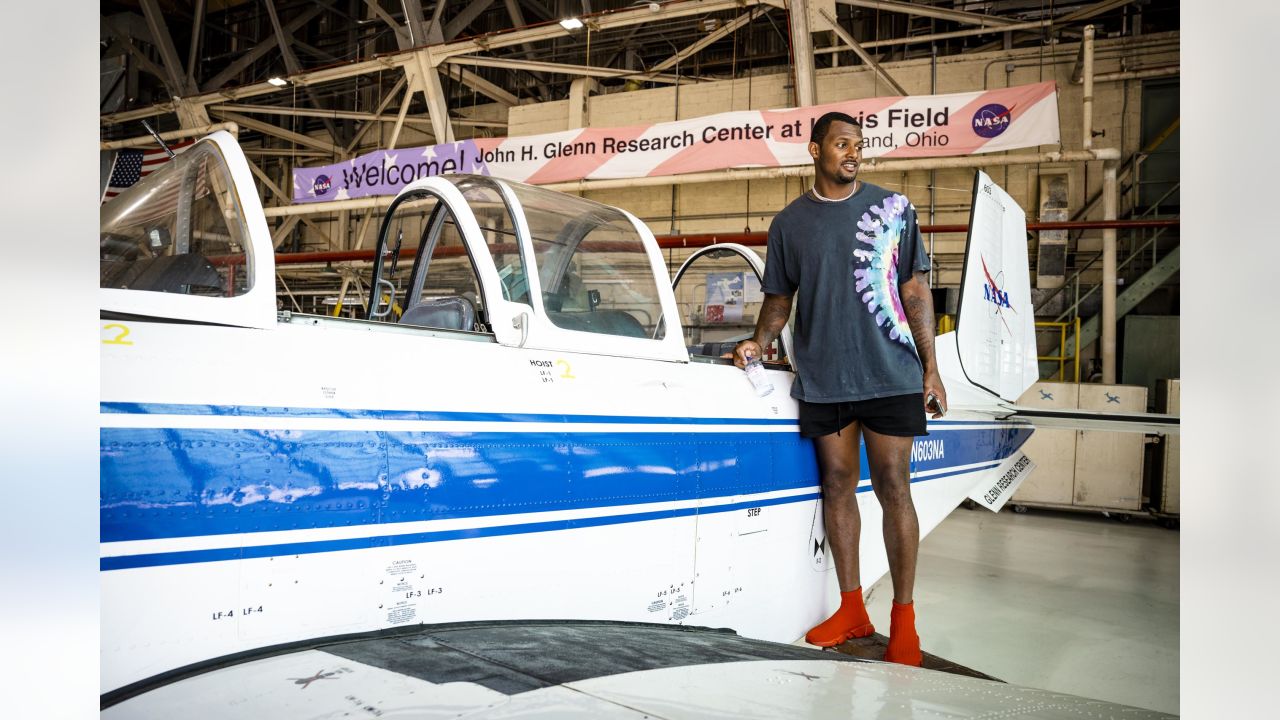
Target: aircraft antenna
x,y
156,135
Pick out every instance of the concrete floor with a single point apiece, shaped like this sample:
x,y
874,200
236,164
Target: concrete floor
x,y
1066,602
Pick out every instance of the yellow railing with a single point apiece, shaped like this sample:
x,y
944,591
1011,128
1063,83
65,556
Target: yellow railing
x,y
946,323
1062,357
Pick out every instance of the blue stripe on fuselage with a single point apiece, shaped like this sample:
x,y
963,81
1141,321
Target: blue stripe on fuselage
x,y
124,562
159,483
299,548
171,482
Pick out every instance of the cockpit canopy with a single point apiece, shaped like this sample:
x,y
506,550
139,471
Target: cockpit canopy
x,y
593,272
526,266
164,233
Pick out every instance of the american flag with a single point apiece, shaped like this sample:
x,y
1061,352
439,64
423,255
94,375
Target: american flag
x,y
133,164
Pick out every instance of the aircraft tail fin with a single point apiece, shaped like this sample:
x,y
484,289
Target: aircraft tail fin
x,y
994,344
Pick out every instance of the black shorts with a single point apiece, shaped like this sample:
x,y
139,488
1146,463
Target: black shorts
x,y
900,415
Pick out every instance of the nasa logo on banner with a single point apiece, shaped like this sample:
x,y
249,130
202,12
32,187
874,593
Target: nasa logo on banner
x,y
992,119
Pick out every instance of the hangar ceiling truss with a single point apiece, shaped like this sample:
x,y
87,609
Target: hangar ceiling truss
x,y
347,62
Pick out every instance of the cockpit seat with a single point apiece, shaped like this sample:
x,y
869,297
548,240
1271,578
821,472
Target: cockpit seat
x,y
447,313
605,322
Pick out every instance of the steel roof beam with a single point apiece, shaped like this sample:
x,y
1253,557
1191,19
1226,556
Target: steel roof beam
x,y
270,185
382,107
435,33
1083,13
276,131
176,76
427,80
194,50
603,21
599,22
468,15
144,63
866,56
518,21
959,16
299,112
728,27
484,87
315,51
262,48
806,85
562,68
285,40
344,114
538,8
971,32
468,78
402,36
414,20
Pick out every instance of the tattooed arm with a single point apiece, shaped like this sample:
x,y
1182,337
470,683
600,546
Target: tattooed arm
x,y
774,313
917,301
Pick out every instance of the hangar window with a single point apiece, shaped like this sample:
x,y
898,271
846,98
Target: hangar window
x,y
595,274
179,230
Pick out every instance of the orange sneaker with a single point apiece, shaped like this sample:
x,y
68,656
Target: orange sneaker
x,y
849,621
904,643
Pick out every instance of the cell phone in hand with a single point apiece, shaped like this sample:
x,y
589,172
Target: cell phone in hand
x,y
935,405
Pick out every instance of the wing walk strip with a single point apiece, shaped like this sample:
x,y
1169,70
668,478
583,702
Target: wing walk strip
x,y
178,551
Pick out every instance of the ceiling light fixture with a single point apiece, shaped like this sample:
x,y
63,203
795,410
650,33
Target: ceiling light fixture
x,y
572,23
278,81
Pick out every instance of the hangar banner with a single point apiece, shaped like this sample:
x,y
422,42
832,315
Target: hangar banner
x,y
899,127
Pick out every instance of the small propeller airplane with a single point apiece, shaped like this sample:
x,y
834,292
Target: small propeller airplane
x,y
539,433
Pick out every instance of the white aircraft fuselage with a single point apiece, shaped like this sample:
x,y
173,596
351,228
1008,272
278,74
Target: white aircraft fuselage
x,y
271,477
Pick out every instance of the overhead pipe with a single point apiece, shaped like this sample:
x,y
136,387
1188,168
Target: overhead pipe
x,y
339,114
141,140
934,37
691,241
1141,74
1087,104
1110,201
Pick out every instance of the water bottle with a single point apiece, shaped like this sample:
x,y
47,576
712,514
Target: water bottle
x,y
759,380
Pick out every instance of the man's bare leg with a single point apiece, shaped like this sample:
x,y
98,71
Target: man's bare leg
x,y
839,469
889,460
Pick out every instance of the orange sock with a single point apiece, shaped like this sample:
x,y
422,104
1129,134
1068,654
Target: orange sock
x,y
850,621
904,643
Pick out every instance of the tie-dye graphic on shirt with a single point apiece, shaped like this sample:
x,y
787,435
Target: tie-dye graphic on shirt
x,y
878,281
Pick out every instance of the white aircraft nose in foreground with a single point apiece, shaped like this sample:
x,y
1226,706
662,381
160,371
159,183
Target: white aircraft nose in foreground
x,y
522,431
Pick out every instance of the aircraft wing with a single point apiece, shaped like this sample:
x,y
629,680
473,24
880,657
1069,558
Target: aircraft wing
x,y
576,669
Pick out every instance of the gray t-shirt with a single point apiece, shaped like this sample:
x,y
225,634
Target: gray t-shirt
x,y
844,262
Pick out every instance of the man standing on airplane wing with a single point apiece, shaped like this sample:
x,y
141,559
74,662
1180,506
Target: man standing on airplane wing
x,y
851,255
